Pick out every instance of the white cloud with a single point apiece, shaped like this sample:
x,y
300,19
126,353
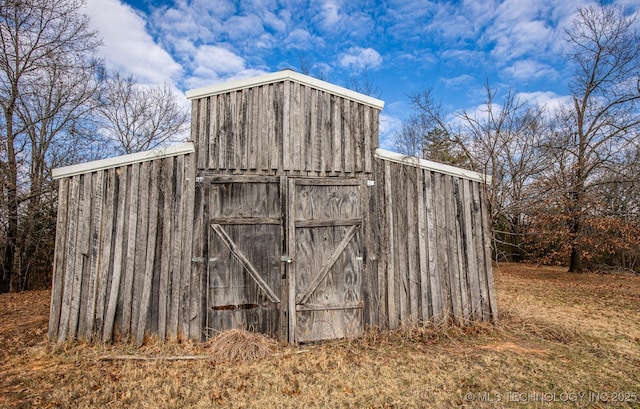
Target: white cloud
x,y
128,47
550,100
524,71
300,39
360,58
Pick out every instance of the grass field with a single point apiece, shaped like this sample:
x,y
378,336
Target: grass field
x,y
563,340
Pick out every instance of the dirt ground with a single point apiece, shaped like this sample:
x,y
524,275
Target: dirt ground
x,y
562,340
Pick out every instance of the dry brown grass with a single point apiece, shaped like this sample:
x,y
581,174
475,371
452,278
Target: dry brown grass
x,y
559,335
240,346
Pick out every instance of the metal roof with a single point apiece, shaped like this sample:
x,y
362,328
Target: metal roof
x,y
434,166
123,160
284,75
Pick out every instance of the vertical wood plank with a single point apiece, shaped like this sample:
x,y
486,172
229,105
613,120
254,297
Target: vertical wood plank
x,y
118,251
199,130
367,135
423,254
291,267
176,249
141,244
413,241
60,253
486,227
94,251
164,291
127,289
463,263
211,134
432,240
454,273
287,143
106,255
336,131
358,136
470,249
82,244
276,125
197,267
147,271
439,194
72,236
187,209
347,137
390,278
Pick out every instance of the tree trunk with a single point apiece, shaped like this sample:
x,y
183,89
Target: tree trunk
x,y
12,209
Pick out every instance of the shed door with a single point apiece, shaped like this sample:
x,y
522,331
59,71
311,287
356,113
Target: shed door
x,y
325,245
245,245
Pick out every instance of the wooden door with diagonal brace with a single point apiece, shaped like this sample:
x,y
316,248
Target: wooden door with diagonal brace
x,y
245,245
324,240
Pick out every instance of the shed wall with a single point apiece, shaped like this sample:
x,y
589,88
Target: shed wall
x,y
429,236
122,266
284,128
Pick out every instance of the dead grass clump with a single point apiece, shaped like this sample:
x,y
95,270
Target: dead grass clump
x,y
425,332
520,323
238,345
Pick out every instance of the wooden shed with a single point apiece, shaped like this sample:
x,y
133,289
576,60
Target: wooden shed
x,y
281,216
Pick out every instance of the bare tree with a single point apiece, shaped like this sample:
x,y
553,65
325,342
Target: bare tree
x,y
47,67
140,117
603,119
501,140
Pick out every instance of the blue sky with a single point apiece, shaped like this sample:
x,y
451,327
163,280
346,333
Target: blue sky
x,y
403,46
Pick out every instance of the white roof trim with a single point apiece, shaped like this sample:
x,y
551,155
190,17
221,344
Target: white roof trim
x,y
430,165
123,160
282,76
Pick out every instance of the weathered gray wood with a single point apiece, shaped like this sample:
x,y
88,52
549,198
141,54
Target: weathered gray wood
x,y
72,235
141,245
287,143
486,226
303,296
283,334
347,137
187,241
336,133
147,273
327,222
463,264
246,264
198,250
437,310
413,242
82,244
106,255
211,133
452,240
94,252
422,242
390,277
129,271
164,291
176,250
367,133
245,220
470,249
118,251
400,242
291,267
59,259
328,182
479,243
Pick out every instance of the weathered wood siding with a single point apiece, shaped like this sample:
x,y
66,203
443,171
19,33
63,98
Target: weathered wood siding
x,y
284,128
283,221
429,248
122,267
